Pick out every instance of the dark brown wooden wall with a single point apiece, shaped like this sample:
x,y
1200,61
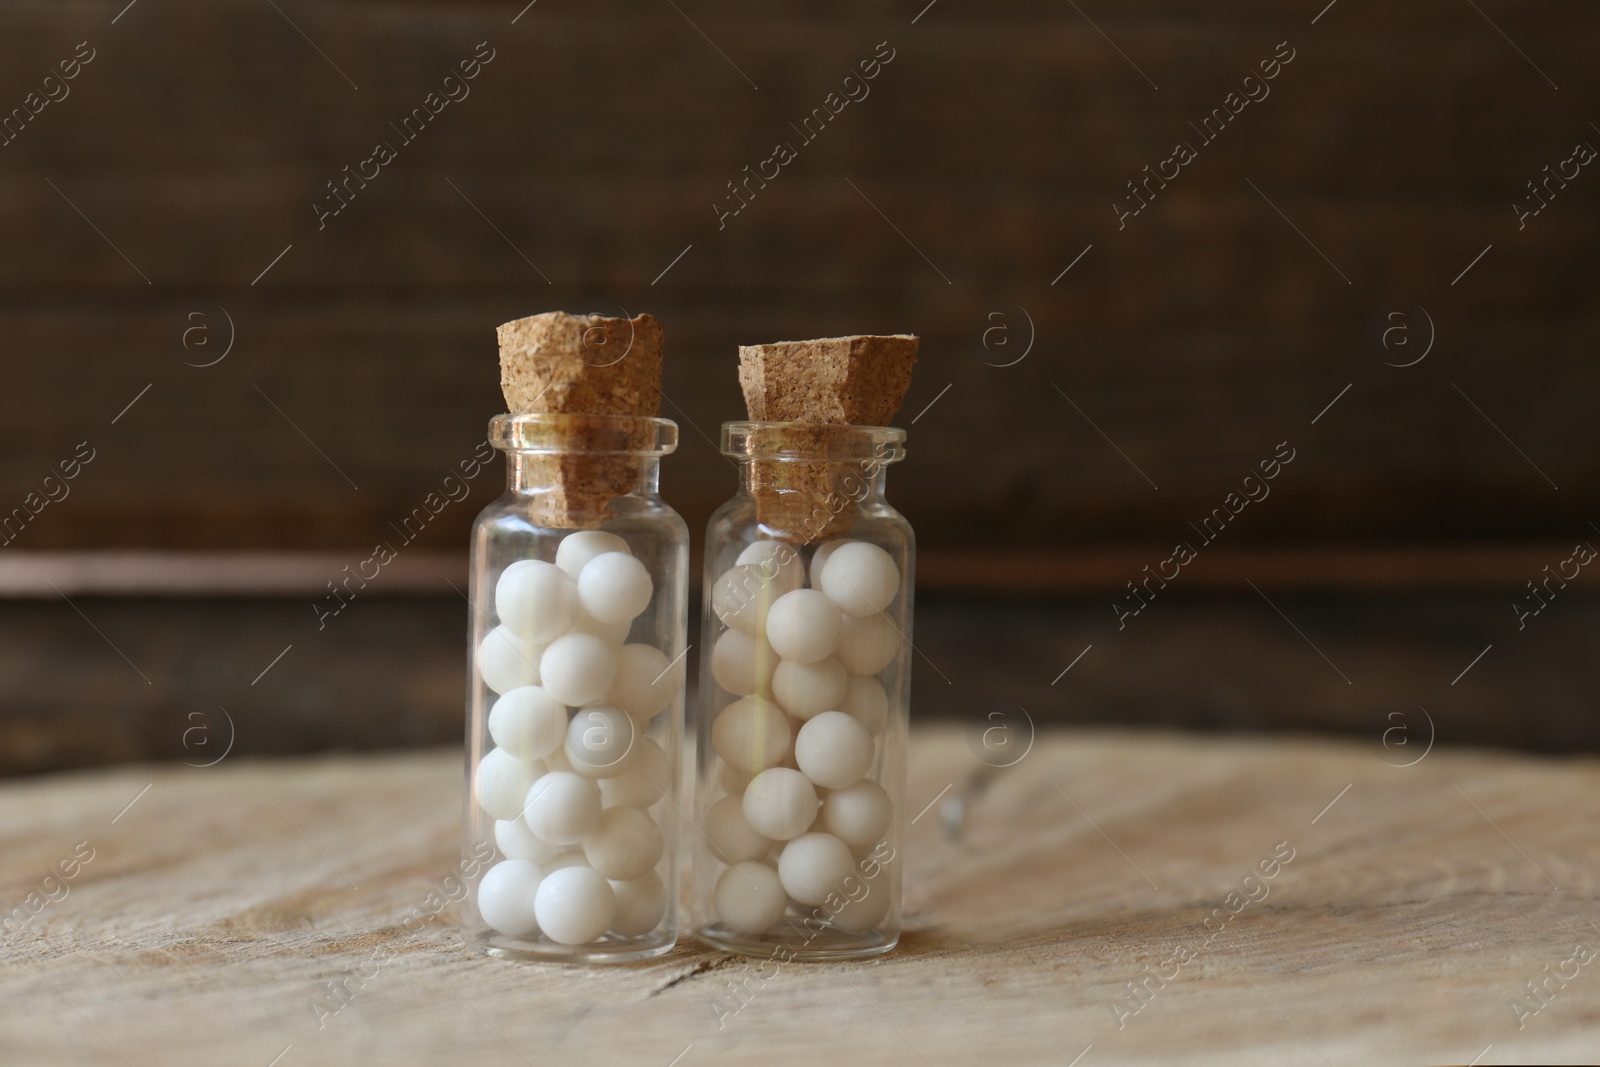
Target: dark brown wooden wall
x,y
987,156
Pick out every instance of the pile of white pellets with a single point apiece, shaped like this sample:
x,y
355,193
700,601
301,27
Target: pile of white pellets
x,y
800,813
573,784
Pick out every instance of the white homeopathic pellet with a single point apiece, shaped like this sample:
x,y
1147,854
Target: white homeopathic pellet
x,y
641,905
528,722
819,559
833,750
779,561
866,702
864,912
577,549
578,669
807,689
741,597
732,838
867,644
644,776
861,578
562,807
749,898
614,587
780,803
624,845
574,905
599,741
751,734
515,841
743,663
813,866
804,626
535,600
859,814
501,783
506,897
646,682
505,661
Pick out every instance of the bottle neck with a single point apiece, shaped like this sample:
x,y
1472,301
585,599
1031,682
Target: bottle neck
x,y
848,481
535,472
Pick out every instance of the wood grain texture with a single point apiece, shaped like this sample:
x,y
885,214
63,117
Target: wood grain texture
x,y
996,142
1417,903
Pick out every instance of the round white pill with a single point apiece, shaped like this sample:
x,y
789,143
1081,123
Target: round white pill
x,y
813,866
574,905
578,669
733,839
780,803
867,644
866,702
833,750
743,663
527,722
859,814
516,842
861,578
614,587
562,807
749,898
807,689
751,734
506,661
506,895
643,780
803,626
612,633
779,562
577,549
501,782
865,911
646,681
625,844
641,905
819,559
535,600
599,741
741,597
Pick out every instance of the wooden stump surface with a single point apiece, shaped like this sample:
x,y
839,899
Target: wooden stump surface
x,y
1419,903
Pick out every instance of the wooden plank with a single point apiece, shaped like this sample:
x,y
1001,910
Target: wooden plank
x,y
236,894
1195,338
1091,570
126,679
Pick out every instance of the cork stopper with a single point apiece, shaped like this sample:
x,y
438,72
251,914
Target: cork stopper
x,y
820,388
582,365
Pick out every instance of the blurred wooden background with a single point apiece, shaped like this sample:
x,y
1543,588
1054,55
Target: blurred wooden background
x,y
166,201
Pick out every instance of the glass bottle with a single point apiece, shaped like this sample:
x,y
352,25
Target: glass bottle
x,y
804,697
575,694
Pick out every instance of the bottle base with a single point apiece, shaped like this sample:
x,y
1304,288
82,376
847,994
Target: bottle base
x,y
793,940
539,950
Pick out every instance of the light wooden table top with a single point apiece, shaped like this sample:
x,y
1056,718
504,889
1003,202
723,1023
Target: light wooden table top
x,y
1418,903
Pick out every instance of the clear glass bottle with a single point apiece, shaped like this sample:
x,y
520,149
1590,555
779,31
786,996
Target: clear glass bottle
x,y
804,697
575,694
